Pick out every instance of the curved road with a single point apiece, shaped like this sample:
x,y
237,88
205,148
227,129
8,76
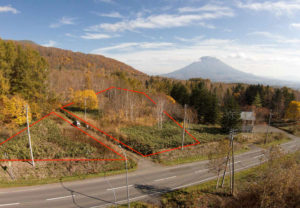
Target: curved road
x,y
146,182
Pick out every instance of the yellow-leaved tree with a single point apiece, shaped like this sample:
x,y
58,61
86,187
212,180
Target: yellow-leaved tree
x,y
88,96
293,111
13,111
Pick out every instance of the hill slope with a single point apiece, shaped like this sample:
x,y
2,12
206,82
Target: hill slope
x,y
65,59
217,71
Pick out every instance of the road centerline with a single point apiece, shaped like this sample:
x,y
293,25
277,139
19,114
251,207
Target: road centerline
x,y
62,197
162,179
12,204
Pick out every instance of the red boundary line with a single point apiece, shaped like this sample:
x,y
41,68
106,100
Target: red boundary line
x,y
69,159
197,142
84,159
101,131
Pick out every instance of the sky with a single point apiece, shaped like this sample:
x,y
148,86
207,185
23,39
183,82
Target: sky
x,y
160,36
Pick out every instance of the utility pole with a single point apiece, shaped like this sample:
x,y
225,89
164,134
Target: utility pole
x,y
227,162
183,129
128,202
232,162
29,138
270,117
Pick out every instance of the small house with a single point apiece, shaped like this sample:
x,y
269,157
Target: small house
x,y
248,121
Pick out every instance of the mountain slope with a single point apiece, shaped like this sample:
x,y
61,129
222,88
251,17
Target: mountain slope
x,y
65,59
217,71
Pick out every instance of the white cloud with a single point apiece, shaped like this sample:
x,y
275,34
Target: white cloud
x,y
276,38
205,8
111,14
50,43
63,21
277,7
8,8
70,35
95,36
193,39
133,45
162,21
295,25
266,60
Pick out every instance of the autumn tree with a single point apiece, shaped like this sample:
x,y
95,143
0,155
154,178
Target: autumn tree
x,y
293,111
29,74
13,111
4,84
86,98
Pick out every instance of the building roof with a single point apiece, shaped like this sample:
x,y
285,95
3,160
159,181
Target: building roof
x,y
247,116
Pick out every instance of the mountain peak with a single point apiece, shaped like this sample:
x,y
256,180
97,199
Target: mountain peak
x,y
208,67
207,58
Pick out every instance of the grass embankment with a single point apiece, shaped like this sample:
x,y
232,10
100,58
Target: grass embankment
x,y
53,138
113,168
272,184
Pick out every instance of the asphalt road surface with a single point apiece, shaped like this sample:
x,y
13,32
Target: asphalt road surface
x,y
144,183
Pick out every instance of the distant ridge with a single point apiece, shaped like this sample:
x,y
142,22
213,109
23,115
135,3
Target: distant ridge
x,y
217,71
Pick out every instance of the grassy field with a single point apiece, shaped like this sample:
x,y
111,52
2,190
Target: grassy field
x,y
150,139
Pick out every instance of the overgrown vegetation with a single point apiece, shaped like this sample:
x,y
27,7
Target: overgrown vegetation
x,y
149,139
50,141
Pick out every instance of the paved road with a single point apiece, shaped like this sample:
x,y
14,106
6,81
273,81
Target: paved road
x,y
145,182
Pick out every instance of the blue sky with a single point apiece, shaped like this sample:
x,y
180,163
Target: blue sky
x,y
159,36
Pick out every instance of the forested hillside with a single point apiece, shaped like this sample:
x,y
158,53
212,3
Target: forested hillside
x,y
61,59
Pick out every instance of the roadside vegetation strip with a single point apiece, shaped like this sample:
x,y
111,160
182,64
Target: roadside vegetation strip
x,y
42,181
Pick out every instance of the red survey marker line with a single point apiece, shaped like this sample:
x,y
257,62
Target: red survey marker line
x,y
24,129
90,136
63,159
102,131
180,126
104,90
147,96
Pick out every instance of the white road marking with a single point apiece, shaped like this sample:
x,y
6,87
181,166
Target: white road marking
x,y
118,188
19,191
63,197
162,179
258,156
247,153
200,171
4,205
186,185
